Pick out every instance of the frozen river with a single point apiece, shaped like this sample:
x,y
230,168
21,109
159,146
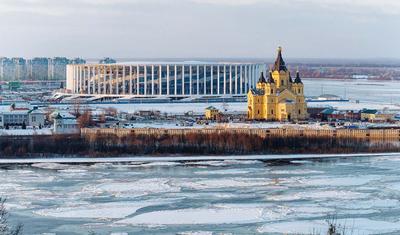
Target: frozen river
x,y
209,197
362,94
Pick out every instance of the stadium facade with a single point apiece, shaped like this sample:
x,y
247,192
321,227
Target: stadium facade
x,y
144,79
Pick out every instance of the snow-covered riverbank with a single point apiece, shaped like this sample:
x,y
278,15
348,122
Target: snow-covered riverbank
x,y
185,158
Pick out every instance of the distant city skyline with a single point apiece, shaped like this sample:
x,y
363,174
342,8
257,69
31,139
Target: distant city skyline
x,y
348,29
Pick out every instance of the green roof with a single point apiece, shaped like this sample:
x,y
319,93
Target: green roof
x,y
328,111
211,108
369,111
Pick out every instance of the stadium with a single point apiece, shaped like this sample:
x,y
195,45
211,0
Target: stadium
x,y
162,80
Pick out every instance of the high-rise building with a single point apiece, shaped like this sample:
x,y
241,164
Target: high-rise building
x,y
19,67
58,68
35,69
7,69
39,68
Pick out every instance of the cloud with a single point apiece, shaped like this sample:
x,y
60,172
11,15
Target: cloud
x,y
231,2
383,6
65,7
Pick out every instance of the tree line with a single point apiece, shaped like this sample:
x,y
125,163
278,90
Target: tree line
x,y
184,144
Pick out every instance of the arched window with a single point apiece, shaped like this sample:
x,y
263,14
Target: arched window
x,y
272,91
283,82
299,91
258,111
299,111
272,111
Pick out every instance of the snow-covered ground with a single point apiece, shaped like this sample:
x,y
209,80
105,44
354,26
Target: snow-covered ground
x,y
22,132
232,108
169,159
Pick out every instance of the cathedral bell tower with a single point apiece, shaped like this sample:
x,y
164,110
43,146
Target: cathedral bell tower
x,y
278,97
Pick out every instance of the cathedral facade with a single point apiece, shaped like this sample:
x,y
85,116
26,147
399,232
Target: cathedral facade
x,y
277,97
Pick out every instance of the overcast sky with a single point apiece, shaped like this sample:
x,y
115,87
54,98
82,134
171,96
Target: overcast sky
x,y
200,28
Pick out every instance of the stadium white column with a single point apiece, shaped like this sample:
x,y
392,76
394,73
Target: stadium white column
x,y
86,79
167,79
236,80
92,84
79,79
183,80
205,80
245,78
116,79
130,79
152,80
190,79
137,79
74,82
175,80
89,84
241,79
160,79
104,80
123,80
224,79
110,80
73,78
230,79
92,78
218,80
145,79
198,80
81,90
98,79
251,76
254,76
83,80
101,75
212,78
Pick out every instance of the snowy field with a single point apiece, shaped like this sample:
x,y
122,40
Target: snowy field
x,y
231,108
19,132
369,94
206,197
168,160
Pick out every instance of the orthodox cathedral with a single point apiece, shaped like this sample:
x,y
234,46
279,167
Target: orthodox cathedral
x,y
277,97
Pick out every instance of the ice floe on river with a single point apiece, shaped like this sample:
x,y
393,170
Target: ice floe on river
x,y
204,183
51,166
239,215
172,197
111,210
132,188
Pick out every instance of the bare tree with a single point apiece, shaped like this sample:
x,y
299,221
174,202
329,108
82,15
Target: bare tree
x,y
77,108
85,119
5,228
